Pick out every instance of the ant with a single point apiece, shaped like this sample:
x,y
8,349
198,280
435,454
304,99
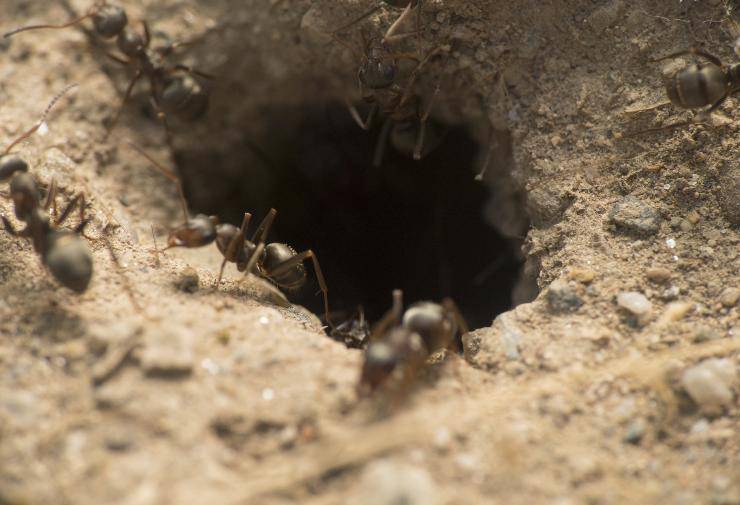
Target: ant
x,y
63,252
173,88
276,262
402,342
406,120
698,85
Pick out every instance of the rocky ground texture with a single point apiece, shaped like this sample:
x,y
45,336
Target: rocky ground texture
x,y
618,383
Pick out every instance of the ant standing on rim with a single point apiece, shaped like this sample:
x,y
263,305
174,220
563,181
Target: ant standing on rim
x,y
173,89
402,341
276,262
63,252
406,117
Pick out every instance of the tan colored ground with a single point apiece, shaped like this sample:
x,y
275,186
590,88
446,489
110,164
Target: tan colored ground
x,y
138,392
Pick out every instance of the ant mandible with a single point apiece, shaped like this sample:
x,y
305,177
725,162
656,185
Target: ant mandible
x,y
276,262
173,89
63,252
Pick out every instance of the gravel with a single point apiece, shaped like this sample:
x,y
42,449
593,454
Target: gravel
x,y
637,305
710,382
632,215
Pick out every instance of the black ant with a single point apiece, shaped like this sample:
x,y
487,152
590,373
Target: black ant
x,y
402,342
700,84
378,74
173,88
62,251
276,262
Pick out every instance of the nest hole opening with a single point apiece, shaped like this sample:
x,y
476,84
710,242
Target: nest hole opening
x,y
414,225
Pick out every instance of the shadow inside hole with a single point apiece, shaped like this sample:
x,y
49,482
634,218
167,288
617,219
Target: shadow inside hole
x,y
418,226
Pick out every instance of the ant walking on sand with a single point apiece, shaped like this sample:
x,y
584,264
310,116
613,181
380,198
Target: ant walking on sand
x,y
63,252
378,76
276,262
173,89
402,341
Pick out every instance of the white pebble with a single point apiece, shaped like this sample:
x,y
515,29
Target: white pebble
x,y
710,382
388,483
634,302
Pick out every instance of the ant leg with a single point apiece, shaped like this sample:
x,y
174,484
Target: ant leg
x,y
126,96
147,33
9,227
156,249
414,76
394,27
193,71
367,14
462,326
382,141
423,126
492,145
254,258
235,245
169,174
68,210
80,228
694,51
298,259
365,125
51,196
390,318
264,227
667,127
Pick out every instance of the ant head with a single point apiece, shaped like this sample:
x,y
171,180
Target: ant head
x,y
197,232
225,233
109,20
185,97
131,43
25,194
69,260
378,69
10,164
381,360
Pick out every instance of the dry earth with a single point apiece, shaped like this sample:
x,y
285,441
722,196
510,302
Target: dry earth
x,y
140,391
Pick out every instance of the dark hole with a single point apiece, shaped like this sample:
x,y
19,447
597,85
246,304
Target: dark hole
x,y
417,226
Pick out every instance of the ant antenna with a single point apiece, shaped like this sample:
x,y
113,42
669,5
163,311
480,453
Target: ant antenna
x,y
167,173
90,13
41,121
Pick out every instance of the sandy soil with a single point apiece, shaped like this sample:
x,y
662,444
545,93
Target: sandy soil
x,y
143,391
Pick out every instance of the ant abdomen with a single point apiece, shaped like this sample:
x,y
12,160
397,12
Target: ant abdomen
x,y
274,255
697,85
109,21
69,260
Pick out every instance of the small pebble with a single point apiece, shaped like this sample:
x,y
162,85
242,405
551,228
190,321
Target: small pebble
x,y
391,483
188,280
563,297
729,297
632,215
635,431
658,275
636,304
582,275
704,334
710,382
168,353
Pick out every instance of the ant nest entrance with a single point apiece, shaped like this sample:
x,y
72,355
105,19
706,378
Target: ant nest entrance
x,y
423,226
376,218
